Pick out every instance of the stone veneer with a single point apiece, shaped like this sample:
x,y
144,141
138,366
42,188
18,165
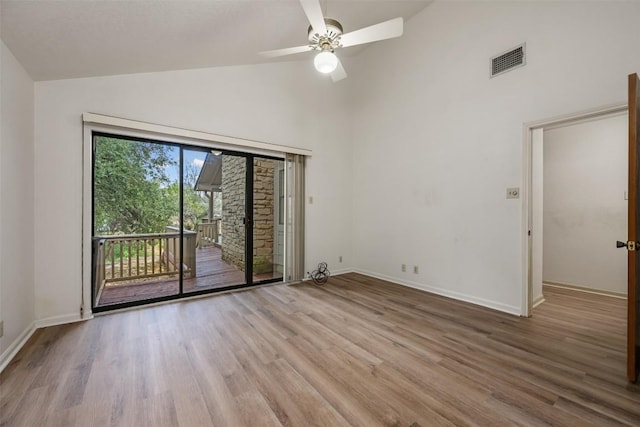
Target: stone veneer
x,y
263,215
233,208
233,203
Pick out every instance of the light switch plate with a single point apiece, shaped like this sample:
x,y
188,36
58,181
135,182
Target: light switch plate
x,y
513,193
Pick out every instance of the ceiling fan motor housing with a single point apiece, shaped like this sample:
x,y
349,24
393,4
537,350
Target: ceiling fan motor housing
x,y
328,41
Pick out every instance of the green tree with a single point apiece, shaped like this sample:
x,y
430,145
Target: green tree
x,y
195,205
130,182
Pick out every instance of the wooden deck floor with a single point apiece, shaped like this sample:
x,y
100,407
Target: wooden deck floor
x,y
211,273
357,351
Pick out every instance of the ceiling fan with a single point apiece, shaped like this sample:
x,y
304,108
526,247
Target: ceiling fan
x,y
325,35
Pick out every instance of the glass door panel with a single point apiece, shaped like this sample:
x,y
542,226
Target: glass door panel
x,y
172,220
214,239
136,213
268,219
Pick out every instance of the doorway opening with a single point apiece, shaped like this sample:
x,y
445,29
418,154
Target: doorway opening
x,y
171,220
570,169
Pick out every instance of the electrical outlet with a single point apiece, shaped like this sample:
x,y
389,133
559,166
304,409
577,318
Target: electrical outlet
x,y
340,258
415,269
513,193
1,328
404,268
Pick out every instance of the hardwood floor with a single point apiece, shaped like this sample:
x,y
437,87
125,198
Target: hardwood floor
x,y
357,351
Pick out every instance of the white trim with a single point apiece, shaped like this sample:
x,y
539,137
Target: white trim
x,y
579,117
341,271
579,288
554,122
527,291
225,141
332,273
22,339
538,301
87,198
509,309
61,320
16,346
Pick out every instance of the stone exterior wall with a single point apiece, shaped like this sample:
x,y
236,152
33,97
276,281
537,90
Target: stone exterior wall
x,y
233,203
263,215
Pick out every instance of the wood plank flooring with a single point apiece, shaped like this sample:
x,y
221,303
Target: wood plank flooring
x,y
357,351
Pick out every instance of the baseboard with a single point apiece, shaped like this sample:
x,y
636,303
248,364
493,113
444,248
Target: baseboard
x,y
515,310
584,289
538,301
16,345
341,271
60,320
306,278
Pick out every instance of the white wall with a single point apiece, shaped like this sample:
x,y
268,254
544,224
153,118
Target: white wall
x,y
279,103
436,142
585,178
16,201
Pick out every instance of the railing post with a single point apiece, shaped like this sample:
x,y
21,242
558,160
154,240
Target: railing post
x,y
190,251
216,230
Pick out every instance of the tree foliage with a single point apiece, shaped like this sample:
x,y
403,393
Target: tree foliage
x,y
134,193
195,205
130,182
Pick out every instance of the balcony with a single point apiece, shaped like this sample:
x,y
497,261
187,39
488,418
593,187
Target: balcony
x,y
146,266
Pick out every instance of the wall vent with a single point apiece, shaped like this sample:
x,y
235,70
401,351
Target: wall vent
x,y
508,61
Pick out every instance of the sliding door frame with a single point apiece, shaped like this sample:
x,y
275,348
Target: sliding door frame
x,y
92,131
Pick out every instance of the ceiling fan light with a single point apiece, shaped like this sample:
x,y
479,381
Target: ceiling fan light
x,y
325,62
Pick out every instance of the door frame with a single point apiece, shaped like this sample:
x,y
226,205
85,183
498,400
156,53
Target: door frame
x,y
278,212
527,196
87,309
248,222
633,361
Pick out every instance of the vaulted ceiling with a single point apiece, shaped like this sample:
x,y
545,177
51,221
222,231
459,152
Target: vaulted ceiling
x,y
82,38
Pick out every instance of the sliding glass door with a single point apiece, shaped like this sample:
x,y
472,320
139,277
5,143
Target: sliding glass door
x,y
268,219
136,216
214,201
172,220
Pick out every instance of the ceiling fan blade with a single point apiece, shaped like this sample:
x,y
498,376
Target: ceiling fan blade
x,y
314,14
283,52
382,31
339,73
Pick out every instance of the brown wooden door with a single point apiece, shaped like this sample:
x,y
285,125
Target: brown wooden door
x,y
634,225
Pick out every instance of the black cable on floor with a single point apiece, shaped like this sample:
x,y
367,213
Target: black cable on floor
x,y
321,274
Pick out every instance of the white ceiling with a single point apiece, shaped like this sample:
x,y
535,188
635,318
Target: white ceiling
x,y
81,38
